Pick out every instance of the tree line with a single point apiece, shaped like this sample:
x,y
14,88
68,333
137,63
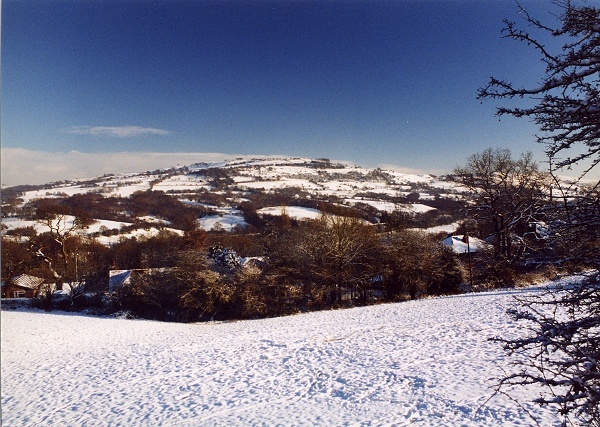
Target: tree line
x,y
296,266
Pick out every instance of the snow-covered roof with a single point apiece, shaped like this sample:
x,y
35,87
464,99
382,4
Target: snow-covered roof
x,y
27,281
460,246
117,278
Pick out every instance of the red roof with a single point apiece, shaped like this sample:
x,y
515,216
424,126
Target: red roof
x,y
27,281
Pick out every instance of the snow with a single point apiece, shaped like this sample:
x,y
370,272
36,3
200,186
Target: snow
x,y
295,212
123,185
14,223
111,225
137,233
459,246
55,192
96,227
270,174
126,189
418,363
226,220
154,219
273,173
408,177
391,207
278,184
63,223
445,228
420,208
377,204
181,183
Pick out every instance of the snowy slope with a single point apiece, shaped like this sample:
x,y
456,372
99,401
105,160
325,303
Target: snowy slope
x,y
296,212
345,180
317,177
419,363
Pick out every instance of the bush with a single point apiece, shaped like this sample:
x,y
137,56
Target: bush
x,y
492,271
415,264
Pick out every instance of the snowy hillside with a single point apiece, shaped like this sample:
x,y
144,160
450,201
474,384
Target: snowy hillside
x,y
419,363
237,180
320,175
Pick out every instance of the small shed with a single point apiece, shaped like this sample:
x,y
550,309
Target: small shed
x,y
22,286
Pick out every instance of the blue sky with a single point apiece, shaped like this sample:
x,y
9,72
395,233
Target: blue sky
x,y
372,82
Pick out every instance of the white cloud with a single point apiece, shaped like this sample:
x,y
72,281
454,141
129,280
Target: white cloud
x,y
22,166
116,131
413,171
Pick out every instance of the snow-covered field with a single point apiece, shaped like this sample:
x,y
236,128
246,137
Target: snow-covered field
x,y
419,363
296,212
226,221
345,181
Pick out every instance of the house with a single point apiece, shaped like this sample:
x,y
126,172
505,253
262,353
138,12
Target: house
x,y
462,245
22,286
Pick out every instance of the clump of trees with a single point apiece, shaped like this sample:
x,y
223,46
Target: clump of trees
x,y
188,291
509,195
510,198
407,272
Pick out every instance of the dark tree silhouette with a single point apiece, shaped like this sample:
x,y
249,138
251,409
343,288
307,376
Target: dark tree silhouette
x,y
562,346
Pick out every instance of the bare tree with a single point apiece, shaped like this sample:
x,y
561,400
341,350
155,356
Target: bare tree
x,y
202,291
561,351
52,247
325,256
61,227
348,252
562,347
509,196
568,98
15,257
567,110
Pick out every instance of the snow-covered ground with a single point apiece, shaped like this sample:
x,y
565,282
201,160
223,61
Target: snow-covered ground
x,y
95,227
345,181
296,212
418,363
446,228
137,233
268,174
65,224
391,207
227,220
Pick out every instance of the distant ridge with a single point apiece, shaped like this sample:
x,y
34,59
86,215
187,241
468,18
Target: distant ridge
x,y
216,190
